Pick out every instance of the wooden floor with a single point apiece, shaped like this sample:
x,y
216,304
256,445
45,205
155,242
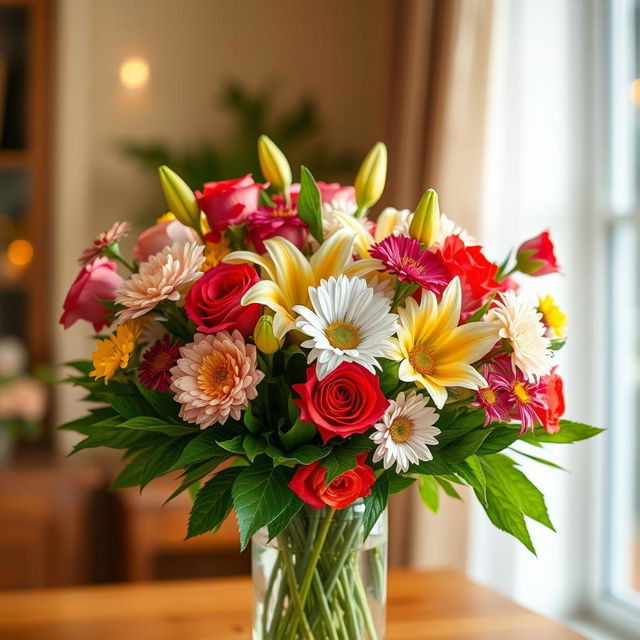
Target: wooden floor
x,y
422,605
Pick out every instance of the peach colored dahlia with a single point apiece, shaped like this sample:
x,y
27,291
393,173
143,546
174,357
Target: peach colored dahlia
x,y
215,378
164,276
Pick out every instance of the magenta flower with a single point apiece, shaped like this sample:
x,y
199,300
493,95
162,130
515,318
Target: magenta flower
x,y
403,257
282,221
155,369
493,398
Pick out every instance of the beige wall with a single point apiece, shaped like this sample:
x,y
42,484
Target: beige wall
x,y
334,50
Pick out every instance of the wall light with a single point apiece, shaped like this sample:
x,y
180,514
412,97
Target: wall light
x,y
20,252
134,73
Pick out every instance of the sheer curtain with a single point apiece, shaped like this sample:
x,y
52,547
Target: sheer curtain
x,y
437,104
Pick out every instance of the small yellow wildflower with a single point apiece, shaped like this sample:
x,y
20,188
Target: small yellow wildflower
x,y
214,252
114,352
552,316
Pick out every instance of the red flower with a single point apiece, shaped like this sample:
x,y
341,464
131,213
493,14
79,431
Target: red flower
x,y
536,257
213,302
98,280
155,369
278,221
229,202
329,191
346,401
477,274
308,484
550,417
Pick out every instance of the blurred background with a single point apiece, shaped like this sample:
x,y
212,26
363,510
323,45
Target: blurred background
x,y
523,114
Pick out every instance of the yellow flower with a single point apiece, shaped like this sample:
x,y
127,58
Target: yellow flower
x,y
165,218
114,352
214,252
552,315
288,274
435,352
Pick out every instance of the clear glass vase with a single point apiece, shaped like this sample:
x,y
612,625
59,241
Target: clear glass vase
x,y
319,579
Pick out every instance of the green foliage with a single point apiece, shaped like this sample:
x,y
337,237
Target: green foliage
x,y
375,503
569,432
428,489
398,482
343,458
310,205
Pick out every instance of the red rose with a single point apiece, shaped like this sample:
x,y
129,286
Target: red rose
x,y
308,484
346,401
554,402
99,280
279,221
476,273
536,257
213,302
229,201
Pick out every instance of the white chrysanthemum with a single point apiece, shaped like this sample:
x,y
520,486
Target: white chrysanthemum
x,y
449,228
349,322
332,223
164,276
520,324
406,429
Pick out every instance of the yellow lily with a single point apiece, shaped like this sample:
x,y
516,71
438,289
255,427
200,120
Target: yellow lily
x,y
290,274
434,351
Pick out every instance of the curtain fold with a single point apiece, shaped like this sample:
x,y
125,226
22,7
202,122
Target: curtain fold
x,y
437,104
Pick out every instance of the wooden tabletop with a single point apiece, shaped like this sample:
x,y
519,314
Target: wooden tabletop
x,y
422,605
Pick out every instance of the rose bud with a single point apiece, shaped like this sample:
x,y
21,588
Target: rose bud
x,y
371,177
536,257
273,163
308,483
425,224
99,280
180,199
161,235
213,302
264,337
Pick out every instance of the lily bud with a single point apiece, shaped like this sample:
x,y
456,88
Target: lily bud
x,y
264,337
274,164
371,176
425,225
180,199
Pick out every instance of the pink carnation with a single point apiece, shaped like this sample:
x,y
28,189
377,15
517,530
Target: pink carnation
x,y
280,221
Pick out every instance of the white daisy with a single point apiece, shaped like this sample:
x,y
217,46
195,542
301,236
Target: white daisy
x,y
164,276
520,324
406,429
349,322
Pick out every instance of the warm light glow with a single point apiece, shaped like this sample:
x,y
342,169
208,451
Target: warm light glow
x,y
134,73
635,92
20,252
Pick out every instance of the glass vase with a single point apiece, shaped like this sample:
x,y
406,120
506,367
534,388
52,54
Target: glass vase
x,y
320,578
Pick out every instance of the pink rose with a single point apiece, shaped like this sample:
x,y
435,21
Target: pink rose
x,y
99,280
329,191
537,257
266,223
229,202
162,235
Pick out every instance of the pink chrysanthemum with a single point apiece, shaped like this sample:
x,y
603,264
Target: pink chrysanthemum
x,y
215,378
164,276
524,397
117,231
403,257
493,398
155,369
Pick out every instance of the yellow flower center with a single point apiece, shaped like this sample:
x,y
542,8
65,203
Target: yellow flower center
x,y
282,213
422,360
412,263
488,395
521,393
343,335
401,429
216,376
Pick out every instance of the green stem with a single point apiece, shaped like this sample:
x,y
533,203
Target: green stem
x,y
277,567
113,251
363,605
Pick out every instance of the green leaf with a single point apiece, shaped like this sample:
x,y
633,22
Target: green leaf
x,y
375,503
282,520
497,439
260,493
557,343
300,433
343,458
431,467
399,483
548,463
162,460
463,447
265,199
388,376
162,403
470,470
235,444
194,474
117,438
86,424
310,204
202,447
83,366
253,446
128,405
158,425
306,454
428,489
253,424
213,503
131,475
569,432
448,488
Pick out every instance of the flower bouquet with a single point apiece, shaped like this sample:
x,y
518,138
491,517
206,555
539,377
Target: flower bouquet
x,y
298,361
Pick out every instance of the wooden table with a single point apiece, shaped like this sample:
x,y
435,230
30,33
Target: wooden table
x,y
422,605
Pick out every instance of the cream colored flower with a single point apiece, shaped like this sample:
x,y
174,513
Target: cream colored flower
x,y
164,276
215,378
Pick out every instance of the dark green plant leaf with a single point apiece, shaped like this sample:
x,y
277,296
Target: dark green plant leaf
x,y
299,434
162,403
193,474
497,439
310,204
162,460
569,432
463,447
202,447
253,424
548,463
470,470
235,444
253,446
343,458
282,520
375,503
158,425
399,483
388,376
132,474
431,467
213,503
306,454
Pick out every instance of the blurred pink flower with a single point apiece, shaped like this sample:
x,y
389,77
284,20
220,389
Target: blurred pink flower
x,y
117,231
